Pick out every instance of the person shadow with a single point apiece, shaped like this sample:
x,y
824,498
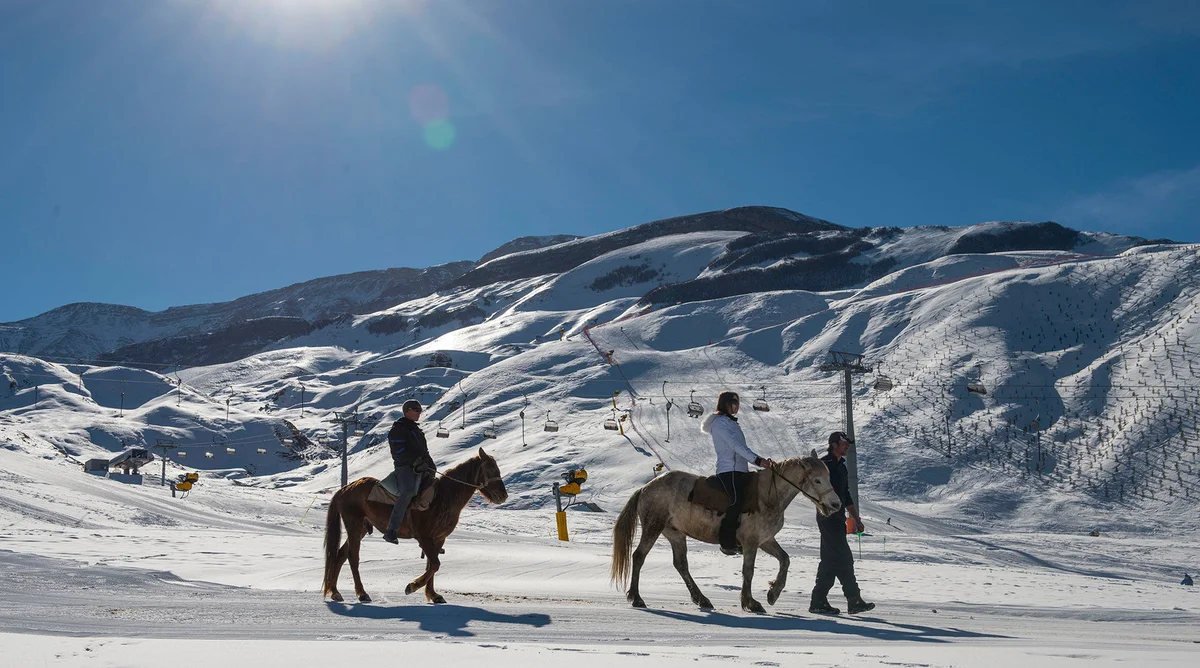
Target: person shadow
x,y
449,619
782,621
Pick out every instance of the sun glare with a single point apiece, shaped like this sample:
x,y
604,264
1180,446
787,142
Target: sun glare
x,y
316,25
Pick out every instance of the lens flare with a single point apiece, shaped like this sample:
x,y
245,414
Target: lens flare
x,y
439,134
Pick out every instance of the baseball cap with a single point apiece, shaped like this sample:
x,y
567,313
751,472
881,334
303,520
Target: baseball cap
x,y
839,436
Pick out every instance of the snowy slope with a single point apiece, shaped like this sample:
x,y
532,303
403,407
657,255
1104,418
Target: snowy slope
x,y
976,546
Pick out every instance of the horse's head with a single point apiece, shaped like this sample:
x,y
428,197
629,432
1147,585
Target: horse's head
x,y
491,484
814,483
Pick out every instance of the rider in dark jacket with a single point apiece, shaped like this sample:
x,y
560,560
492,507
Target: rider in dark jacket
x,y
410,457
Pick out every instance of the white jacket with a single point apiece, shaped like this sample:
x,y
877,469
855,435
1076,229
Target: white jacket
x,y
730,443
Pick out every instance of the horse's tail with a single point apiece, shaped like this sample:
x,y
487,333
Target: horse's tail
x,y
623,539
333,540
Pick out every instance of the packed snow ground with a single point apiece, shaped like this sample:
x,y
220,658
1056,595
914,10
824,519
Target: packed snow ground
x,y
97,572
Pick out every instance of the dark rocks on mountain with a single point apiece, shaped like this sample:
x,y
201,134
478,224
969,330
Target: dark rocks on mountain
x,y
815,274
628,274
467,315
391,323
1017,237
566,256
753,249
226,344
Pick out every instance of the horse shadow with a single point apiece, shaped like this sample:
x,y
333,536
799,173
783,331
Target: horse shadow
x,y
449,619
788,622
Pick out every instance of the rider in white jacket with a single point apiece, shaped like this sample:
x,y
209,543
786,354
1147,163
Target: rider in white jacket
x,y
733,458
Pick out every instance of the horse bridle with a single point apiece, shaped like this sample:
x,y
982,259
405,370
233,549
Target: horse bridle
x,y
487,480
800,489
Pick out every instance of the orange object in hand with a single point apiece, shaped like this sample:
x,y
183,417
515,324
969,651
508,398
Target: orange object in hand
x,y
849,525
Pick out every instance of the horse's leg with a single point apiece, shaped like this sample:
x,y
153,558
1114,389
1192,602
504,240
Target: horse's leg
x,y
650,533
772,548
334,594
749,552
354,542
432,551
678,542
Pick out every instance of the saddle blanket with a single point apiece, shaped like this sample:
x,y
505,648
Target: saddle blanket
x,y
709,493
385,491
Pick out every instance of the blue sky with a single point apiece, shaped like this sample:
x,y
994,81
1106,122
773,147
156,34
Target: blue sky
x,y
165,152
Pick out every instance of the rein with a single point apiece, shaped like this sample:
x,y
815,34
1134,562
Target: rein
x,y
486,481
798,488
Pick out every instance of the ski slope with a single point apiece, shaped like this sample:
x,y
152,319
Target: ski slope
x,y
972,511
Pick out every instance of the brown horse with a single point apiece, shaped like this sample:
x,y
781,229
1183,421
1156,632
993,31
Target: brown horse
x,y
429,527
663,507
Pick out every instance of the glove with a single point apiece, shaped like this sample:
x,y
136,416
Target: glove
x,y
424,466
764,462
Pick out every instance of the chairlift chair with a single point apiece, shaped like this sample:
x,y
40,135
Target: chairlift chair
x,y
262,451
883,383
209,455
550,425
694,409
490,432
230,451
760,404
975,383
611,423
181,453
442,432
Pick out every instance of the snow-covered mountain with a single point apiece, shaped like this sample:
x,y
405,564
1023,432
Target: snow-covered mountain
x,y
87,331
1081,341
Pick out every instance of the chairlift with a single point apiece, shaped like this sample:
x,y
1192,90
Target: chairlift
x,y
975,383
550,425
611,424
230,451
209,455
760,404
262,451
883,383
695,410
358,432
287,441
490,432
442,432
181,453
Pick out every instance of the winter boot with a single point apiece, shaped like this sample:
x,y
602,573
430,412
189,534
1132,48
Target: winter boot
x,y
856,605
823,608
391,537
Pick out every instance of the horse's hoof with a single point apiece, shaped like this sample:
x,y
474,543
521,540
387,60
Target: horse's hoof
x,y
638,603
772,596
336,597
364,599
409,588
705,604
755,607
438,599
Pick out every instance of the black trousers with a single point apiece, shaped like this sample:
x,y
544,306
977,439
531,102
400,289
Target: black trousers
x,y
734,483
837,560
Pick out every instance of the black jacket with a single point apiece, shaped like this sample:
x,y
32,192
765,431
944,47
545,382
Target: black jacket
x,y
408,446
839,477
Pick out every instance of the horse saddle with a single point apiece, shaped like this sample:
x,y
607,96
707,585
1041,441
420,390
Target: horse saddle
x,y
710,493
385,491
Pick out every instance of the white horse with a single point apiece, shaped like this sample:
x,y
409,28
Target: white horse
x,y
663,507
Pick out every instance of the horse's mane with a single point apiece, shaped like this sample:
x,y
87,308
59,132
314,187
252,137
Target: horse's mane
x,y
463,471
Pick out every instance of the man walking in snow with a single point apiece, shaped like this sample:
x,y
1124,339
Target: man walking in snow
x,y
410,457
837,561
